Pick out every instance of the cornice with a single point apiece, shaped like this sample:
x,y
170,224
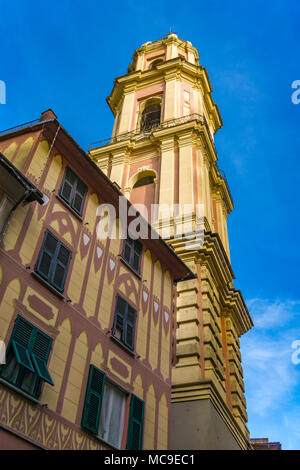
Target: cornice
x,y
169,39
176,68
212,255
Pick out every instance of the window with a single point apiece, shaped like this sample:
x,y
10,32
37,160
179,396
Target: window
x,y
73,191
27,356
132,253
53,261
112,415
104,412
150,117
124,322
144,181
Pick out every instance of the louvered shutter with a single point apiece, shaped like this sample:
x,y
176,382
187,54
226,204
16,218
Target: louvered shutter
x,y
93,400
127,251
53,261
60,269
135,425
21,340
132,251
120,312
40,353
136,255
73,190
66,191
129,328
79,196
47,254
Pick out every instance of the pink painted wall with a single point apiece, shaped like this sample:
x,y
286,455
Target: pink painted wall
x,y
144,195
9,441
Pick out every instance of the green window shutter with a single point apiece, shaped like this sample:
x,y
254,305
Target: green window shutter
x,y
124,320
32,348
40,353
21,342
79,196
132,253
60,268
73,190
22,356
47,255
53,261
135,425
67,187
129,327
93,400
23,332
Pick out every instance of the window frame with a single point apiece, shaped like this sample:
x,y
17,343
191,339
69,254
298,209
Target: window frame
x,y
131,243
122,322
71,200
91,414
147,123
121,422
28,345
54,262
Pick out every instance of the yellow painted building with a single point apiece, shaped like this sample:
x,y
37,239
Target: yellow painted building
x,y
86,318
162,154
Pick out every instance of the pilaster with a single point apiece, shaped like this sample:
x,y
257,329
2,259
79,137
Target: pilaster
x,y
127,109
185,190
171,102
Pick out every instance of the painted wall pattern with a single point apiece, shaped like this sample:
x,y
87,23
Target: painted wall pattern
x,y
80,320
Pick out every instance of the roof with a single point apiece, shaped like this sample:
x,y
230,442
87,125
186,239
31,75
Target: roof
x,y
8,171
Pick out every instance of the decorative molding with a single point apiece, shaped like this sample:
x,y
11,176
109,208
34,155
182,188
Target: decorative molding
x,y
32,318
41,426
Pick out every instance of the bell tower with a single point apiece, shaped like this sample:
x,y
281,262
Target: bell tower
x,y
163,157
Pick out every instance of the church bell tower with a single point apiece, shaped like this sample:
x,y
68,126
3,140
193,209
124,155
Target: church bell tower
x,y
163,157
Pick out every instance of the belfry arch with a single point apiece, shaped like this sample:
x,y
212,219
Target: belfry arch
x,y
142,189
149,114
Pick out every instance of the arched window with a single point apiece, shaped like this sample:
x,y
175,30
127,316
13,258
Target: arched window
x,y
143,192
144,180
150,117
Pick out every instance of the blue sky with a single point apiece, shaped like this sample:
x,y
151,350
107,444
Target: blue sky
x,y
65,55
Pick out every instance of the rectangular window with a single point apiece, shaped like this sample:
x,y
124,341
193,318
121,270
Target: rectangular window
x,y
124,322
73,191
104,412
53,261
26,358
132,253
112,415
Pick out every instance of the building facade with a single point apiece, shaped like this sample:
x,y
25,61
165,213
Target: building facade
x,y
162,154
264,444
86,319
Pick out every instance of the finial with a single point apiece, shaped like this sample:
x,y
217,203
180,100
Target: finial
x,y
172,32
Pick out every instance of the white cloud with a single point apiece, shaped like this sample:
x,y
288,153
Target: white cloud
x,y
270,374
270,314
271,378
